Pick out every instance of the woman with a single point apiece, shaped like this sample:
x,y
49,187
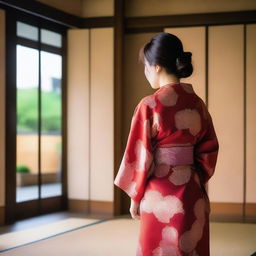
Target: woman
x,y
170,155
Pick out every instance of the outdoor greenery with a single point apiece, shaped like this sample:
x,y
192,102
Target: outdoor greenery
x,y
22,169
27,110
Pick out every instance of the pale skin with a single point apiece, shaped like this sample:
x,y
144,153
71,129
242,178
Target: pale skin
x,y
157,77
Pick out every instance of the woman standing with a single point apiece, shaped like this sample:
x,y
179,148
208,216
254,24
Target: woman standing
x,y
170,155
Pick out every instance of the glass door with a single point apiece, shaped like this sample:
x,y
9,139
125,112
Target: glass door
x,y
27,136
51,125
40,184
29,168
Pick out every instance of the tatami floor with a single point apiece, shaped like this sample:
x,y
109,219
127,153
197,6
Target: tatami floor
x,y
69,234
47,219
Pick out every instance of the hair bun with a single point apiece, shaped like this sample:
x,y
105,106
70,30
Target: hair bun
x,y
184,57
184,65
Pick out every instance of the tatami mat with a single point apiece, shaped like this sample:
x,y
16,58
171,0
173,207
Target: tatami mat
x,y
18,238
118,237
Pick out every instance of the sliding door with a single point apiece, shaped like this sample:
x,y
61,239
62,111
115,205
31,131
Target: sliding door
x,y
224,60
36,122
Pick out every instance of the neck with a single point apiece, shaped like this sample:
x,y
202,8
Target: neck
x,y
168,79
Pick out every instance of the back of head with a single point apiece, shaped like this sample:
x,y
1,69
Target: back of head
x,y
166,50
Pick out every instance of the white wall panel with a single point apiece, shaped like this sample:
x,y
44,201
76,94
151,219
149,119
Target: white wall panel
x,y
102,114
78,114
193,40
226,106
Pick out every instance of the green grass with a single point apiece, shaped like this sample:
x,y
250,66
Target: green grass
x,y
27,110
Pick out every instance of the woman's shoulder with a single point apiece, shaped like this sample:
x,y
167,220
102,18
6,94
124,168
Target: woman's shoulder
x,y
146,104
149,101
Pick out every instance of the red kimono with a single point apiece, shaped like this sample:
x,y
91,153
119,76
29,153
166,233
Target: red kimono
x,y
170,155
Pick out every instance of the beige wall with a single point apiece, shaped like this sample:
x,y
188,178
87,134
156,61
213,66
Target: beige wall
x,y
169,7
90,114
101,114
78,113
226,107
2,108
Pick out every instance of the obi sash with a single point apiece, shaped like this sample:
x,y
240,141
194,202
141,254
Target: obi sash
x,y
176,155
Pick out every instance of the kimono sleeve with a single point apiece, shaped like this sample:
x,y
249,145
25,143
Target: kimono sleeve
x,y
137,159
206,152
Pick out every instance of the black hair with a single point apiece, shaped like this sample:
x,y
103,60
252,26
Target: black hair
x,y
166,50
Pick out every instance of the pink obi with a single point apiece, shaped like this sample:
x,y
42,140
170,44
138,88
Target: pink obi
x,y
177,155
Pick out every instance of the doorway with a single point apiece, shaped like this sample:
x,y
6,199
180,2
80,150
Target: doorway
x,y
36,180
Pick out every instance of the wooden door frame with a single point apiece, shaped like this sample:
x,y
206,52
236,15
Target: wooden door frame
x,y
13,210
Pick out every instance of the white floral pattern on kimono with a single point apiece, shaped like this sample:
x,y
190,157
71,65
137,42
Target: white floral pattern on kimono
x,y
170,155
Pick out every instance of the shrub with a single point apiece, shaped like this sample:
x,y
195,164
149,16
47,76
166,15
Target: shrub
x,y
22,169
